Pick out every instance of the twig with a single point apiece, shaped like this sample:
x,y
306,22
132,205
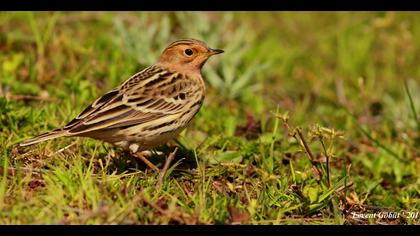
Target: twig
x,y
165,168
310,156
306,147
327,161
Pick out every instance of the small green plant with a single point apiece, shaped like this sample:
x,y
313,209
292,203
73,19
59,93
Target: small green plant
x,y
325,191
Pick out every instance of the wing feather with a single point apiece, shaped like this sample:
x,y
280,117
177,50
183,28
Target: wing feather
x,y
146,97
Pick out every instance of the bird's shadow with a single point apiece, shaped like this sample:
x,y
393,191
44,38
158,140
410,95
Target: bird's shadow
x,y
126,162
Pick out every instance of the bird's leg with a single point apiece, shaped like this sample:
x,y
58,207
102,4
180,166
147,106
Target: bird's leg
x,y
175,143
147,162
165,168
172,143
134,150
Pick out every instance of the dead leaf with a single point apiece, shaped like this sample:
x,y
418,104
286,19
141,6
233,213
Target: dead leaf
x,y
237,216
251,130
162,202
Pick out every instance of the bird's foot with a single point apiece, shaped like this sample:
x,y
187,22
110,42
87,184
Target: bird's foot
x,y
134,148
142,157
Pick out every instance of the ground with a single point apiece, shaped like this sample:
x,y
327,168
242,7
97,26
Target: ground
x,y
310,118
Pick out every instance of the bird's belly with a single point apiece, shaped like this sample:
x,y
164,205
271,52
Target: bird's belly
x,y
145,142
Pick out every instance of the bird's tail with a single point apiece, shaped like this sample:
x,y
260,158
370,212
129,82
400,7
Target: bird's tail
x,y
43,137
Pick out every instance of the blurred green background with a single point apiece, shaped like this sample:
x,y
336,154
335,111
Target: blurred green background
x,y
347,73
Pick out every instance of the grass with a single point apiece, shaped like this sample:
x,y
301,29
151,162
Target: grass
x,y
309,118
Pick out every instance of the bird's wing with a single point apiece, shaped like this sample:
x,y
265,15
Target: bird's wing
x,y
148,96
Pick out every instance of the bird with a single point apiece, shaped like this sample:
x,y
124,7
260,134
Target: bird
x,y
150,108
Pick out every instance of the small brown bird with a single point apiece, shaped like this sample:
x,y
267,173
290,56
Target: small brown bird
x,y
150,108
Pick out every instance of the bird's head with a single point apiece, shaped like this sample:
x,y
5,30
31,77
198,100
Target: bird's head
x,y
187,55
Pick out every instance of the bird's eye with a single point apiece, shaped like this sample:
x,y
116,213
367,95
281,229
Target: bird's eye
x,y
188,52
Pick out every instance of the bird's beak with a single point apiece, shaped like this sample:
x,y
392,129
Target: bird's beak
x,y
215,51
